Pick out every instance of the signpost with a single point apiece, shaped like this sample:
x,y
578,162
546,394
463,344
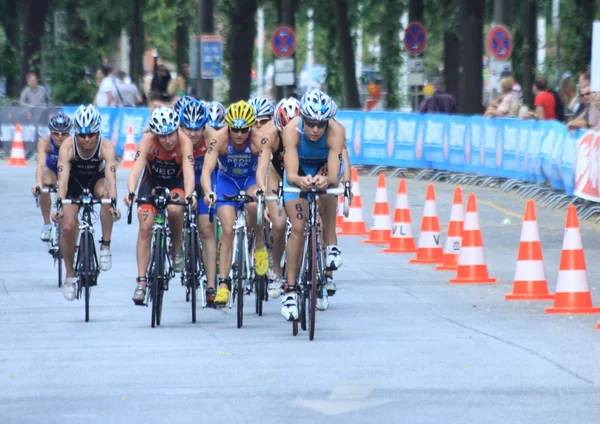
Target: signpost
x,y
212,56
499,45
415,41
283,44
415,38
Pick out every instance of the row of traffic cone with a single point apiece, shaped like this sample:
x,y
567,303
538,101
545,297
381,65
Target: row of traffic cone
x,y
17,151
463,250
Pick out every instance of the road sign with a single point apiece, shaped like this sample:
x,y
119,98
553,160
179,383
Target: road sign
x,y
285,71
212,56
415,38
283,42
414,65
499,43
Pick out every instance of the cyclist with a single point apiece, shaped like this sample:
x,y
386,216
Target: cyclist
x,y
180,104
216,115
238,149
263,111
85,161
164,159
193,124
314,147
47,165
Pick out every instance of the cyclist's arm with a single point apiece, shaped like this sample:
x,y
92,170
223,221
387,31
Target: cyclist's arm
x,y
347,166
266,141
42,152
187,164
291,139
214,140
141,158
336,138
65,154
110,169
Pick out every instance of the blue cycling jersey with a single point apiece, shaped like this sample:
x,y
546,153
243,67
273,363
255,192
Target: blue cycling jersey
x,y
52,157
238,163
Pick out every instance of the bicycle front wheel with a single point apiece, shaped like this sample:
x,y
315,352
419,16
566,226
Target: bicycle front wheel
x,y
312,266
193,271
239,283
157,286
85,244
57,252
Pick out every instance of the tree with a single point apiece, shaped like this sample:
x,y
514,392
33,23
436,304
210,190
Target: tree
x,y
135,30
471,83
9,19
391,60
33,13
351,97
416,10
451,48
577,18
240,44
529,12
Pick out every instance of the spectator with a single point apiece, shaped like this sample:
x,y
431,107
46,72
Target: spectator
x,y
583,120
545,103
516,86
33,95
594,115
506,104
128,94
566,92
155,100
576,105
440,101
160,82
106,95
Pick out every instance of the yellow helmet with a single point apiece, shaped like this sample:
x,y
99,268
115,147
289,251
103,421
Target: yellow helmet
x,y
240,115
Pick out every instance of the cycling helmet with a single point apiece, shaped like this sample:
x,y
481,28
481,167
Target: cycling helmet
x,y
180,104
240,115
216,115
193,115
87,120
316,105
333,108
59,122
286,110
164,121
262,106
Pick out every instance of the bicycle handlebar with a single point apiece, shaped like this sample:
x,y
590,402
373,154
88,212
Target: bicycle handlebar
x,y
315,191
240,197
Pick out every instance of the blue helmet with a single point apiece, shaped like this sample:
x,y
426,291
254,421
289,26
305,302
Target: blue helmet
x,y
180,103
60,123
193,115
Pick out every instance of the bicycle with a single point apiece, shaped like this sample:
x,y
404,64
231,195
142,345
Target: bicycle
x,y
193,269
159,271
242,273
311,273
86,263
54,242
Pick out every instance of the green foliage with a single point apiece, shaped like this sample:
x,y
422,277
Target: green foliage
x,y
391,60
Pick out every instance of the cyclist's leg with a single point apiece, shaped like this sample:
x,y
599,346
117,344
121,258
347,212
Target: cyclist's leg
x,y
145,213
48,179
209,246
261,257
175,216
277,236
68,240
106,219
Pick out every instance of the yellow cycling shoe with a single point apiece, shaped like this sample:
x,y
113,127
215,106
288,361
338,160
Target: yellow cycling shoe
x,y
261,261
222,296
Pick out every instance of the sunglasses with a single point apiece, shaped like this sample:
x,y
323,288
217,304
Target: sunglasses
x,y
312,124
240,130
589,93
59,134
86,136
263,120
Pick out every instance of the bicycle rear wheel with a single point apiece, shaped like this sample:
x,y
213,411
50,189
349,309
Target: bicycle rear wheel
x,y
312,266
259,286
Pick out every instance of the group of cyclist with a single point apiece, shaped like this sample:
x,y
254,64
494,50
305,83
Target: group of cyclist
x,y
204,153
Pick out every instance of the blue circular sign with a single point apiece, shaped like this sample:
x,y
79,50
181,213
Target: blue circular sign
x,y
283,42
415,38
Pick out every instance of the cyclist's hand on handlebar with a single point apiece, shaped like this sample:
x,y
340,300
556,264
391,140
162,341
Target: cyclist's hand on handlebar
x,y
57,216
306,182
320,182
116,213
191,200
128,200
210,199
36,190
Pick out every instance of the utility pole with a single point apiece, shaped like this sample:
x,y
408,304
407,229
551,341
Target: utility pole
x,y
287,8
205,24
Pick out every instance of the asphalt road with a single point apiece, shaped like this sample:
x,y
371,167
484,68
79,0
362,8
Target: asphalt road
x,y
398,344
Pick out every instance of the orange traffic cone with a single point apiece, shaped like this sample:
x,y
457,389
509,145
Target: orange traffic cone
x,y
354,225
429,250
530,277
572,290
472,268
17,151
130,149
455,229
339,219
381,227
402,240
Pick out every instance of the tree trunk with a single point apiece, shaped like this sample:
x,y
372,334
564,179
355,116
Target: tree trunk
x,y
471,82
451,51
529,49
391,59
241,36
33,14
136,52
502,12
11,49
208,27
583,32
416,11
351,97
182,39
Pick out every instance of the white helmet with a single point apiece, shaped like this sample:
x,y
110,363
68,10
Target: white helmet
x,y
262,106
316,105
334,108
216,115
87,120
164,121
285,111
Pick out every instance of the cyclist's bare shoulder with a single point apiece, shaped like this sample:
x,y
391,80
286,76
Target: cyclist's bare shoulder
x,y
291,134
264,137
44,144
336,134
67,148
216,140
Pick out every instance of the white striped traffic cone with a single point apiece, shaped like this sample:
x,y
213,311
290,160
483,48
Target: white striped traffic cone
x,y
402,240
454,238
17,151
381,227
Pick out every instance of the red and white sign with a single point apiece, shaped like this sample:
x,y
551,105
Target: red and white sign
x,y
499,42
587,175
